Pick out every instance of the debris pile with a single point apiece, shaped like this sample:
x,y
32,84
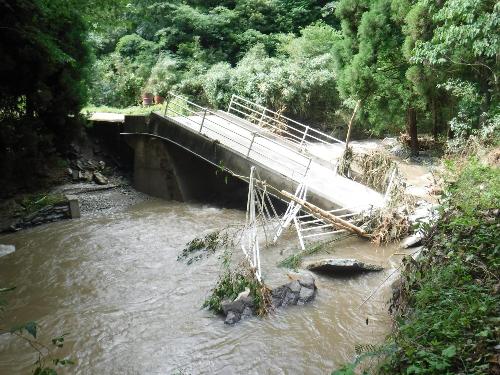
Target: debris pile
x,y
297,292
88,170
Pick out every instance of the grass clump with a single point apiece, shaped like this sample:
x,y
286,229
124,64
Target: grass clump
x,y
133,110
34,203
199,247
294,261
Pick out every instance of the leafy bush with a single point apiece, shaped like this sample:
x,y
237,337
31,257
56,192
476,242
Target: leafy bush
x,y
232,282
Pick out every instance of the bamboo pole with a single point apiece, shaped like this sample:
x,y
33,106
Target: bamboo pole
x,y
327,216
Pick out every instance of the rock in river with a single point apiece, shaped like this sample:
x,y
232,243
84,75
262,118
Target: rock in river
x,y
344,266
6,249
297,292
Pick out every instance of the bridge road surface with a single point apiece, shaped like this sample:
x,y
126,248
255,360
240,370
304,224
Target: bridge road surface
x,y
282,156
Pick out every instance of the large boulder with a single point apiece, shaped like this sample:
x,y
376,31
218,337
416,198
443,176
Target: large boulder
x,y
100,179
342,266
241,307
232,318
306,295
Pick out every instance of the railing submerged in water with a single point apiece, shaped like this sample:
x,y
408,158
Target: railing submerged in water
x,y
251,144
292,130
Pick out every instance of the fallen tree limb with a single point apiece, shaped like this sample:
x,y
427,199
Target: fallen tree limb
x,y
327,216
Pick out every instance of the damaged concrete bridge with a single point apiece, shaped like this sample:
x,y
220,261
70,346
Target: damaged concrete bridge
x,y
285,152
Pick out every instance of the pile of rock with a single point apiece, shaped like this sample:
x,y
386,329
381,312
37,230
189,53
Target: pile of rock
x,y
88,170
296,292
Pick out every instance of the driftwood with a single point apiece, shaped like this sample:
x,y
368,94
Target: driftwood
x,y
327,216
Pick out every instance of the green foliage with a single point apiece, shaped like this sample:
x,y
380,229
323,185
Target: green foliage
x,y
43,352
199,247
133,110
294,261
33,203
121,77
233,281
449,299
367,359
309,59
42,73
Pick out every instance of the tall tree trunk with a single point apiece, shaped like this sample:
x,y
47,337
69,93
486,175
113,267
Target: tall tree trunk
x,y
411,128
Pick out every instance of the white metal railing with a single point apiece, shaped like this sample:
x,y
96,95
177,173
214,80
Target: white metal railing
x,y
291,130
251,144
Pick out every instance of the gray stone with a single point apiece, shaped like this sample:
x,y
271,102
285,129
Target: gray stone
x,y
245,293
342,266
88,176
74,206
306,295
6,249
279,292
247,313
307,281
80,165
400,151
75,174
294,286
276,301
290,299
232,318
412,241
235,306
91,165
100,179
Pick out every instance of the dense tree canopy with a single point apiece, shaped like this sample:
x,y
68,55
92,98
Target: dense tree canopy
x,y
414,64
44,56
423,65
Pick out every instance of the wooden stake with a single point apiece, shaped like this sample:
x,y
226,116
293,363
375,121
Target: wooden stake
x,y
347,139
327,216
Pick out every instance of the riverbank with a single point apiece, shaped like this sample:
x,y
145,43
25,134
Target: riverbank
x,y
96,171
446,305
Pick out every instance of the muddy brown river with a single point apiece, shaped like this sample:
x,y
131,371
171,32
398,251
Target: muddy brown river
x,y
114,284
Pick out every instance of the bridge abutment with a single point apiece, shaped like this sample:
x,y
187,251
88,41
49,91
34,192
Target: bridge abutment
x,y
154,170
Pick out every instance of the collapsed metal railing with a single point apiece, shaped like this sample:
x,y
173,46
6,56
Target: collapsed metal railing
x,y
251,144
309,225
283,126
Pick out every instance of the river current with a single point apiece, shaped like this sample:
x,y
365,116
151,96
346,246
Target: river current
x,y
114,284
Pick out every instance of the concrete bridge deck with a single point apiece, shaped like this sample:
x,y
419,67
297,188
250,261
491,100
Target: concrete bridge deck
x,y
235,143
283,157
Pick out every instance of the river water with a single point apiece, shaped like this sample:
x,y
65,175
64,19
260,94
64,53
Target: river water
x,y
113,282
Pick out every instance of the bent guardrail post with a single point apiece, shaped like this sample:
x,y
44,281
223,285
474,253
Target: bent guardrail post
x,y
203,119
251,144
